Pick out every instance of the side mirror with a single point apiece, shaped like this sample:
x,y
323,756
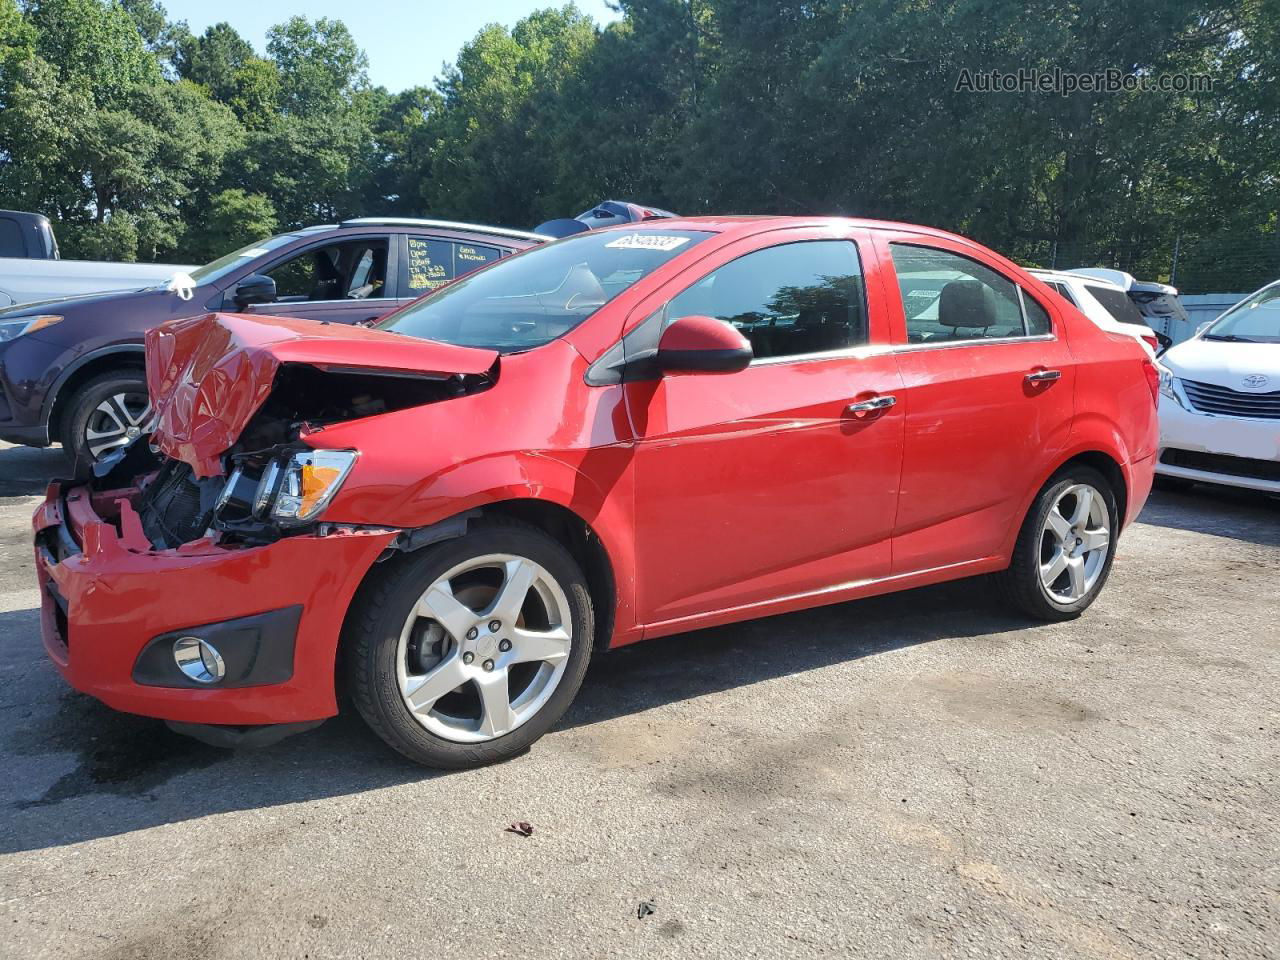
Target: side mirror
x,y
255,288
702,345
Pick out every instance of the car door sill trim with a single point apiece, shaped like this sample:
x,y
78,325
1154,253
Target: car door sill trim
x,y
849,586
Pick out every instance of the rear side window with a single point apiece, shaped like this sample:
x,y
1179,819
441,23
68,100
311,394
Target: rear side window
x,y
788,300
1116,303
433,263
11,242
949,297
1037,318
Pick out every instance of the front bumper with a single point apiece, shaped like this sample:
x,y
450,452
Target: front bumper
x,y
105,594
1233,451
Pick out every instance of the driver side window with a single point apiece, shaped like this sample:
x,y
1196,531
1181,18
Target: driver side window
x,y
789,300
349,270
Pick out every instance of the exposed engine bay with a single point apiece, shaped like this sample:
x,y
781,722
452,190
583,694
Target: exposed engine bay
x,y
273,485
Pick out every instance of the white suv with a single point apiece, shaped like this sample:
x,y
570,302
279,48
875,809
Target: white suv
x,y
1105,303
1220,399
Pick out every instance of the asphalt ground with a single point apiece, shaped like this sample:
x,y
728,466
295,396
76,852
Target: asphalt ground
x,y
922,775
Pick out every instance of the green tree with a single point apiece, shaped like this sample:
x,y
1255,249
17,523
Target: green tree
x,y
320,64
213,59
94,46
495,146
232,219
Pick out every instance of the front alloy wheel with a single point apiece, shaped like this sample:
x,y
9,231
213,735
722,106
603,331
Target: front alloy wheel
x,y
484,648
466,652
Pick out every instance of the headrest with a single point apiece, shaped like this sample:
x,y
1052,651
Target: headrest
x,y
967,303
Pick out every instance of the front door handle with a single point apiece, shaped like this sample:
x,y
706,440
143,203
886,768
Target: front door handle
x,y
870,406
1044,376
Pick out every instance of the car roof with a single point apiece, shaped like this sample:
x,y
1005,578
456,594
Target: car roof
x,y
746,225
442,225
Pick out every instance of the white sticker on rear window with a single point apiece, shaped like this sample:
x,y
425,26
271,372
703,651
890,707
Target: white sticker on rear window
x,y
255,252
647,241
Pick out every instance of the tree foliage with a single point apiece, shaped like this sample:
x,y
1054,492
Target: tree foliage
x,y
145,140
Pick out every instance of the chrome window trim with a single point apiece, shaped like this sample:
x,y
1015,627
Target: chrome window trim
x,y
345,300
880,349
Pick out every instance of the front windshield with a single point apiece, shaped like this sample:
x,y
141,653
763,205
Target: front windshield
x,y
219,268
1255,320
541,294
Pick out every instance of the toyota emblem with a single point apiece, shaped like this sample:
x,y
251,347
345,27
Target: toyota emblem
x,y
1254,381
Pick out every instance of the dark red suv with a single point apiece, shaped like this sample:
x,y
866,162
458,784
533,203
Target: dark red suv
x,y
71,370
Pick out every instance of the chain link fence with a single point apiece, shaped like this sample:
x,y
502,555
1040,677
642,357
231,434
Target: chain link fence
x,y
1195,263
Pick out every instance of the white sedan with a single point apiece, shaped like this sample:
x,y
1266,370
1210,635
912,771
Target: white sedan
x,y
1220,399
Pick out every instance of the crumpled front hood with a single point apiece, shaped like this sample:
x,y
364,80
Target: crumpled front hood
x,y
208,375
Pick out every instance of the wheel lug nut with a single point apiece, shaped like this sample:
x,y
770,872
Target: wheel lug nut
x,y
504,646
495,626
473,633
488,664
468,657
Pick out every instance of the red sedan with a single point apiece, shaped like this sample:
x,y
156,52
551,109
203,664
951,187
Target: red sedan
x,y
623,434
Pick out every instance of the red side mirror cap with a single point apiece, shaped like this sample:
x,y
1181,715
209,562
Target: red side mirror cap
x,y
703,345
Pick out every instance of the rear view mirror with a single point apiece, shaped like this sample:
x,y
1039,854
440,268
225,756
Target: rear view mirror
x,y
255,288
702,345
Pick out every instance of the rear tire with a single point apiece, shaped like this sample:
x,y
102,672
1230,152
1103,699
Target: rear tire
x,y
104,414
500,665
1059,566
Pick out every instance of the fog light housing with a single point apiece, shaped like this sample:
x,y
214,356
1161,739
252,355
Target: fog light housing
x,y
198,659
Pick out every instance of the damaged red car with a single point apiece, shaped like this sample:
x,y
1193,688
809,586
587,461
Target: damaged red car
x,y
623,434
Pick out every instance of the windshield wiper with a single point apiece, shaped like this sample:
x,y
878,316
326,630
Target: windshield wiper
x,y
1229,338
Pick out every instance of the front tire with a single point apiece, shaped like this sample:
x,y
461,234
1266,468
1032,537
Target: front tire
x,y
106,413
1063,553
467,652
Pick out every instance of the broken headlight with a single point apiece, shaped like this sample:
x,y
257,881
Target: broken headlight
x,y
291,491
306,482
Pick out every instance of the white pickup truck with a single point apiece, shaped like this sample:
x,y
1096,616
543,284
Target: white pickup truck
x,y
31,270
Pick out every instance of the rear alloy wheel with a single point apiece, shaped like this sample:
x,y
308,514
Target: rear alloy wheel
x,y
1065,547
467,653
107,413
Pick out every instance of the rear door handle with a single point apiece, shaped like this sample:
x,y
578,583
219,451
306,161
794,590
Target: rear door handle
x,y
1044,376
868,406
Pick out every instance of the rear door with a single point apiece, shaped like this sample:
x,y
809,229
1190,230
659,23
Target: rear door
x,y
988,385
347,279
763,483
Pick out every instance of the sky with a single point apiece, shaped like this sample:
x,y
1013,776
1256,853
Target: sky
x,y
407,41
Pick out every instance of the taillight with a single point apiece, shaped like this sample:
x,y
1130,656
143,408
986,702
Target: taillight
x,y
1153,378
1151,342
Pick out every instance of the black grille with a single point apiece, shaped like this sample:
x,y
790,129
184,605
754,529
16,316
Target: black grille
x,y
177,508
1221,463
1211,398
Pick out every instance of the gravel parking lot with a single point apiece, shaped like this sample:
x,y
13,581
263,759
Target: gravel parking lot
x,y
910,776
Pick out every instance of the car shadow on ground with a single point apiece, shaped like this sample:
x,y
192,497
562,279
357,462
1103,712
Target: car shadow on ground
x,y
107,756
1244,515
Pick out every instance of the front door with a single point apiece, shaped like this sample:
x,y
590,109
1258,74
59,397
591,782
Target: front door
x,y
343,281
988,386
763,483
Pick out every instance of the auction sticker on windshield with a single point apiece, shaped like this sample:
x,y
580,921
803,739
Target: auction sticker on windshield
x,y
647,241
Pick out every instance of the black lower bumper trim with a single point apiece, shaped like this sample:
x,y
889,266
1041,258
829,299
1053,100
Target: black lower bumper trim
x,y
256,651
231,738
